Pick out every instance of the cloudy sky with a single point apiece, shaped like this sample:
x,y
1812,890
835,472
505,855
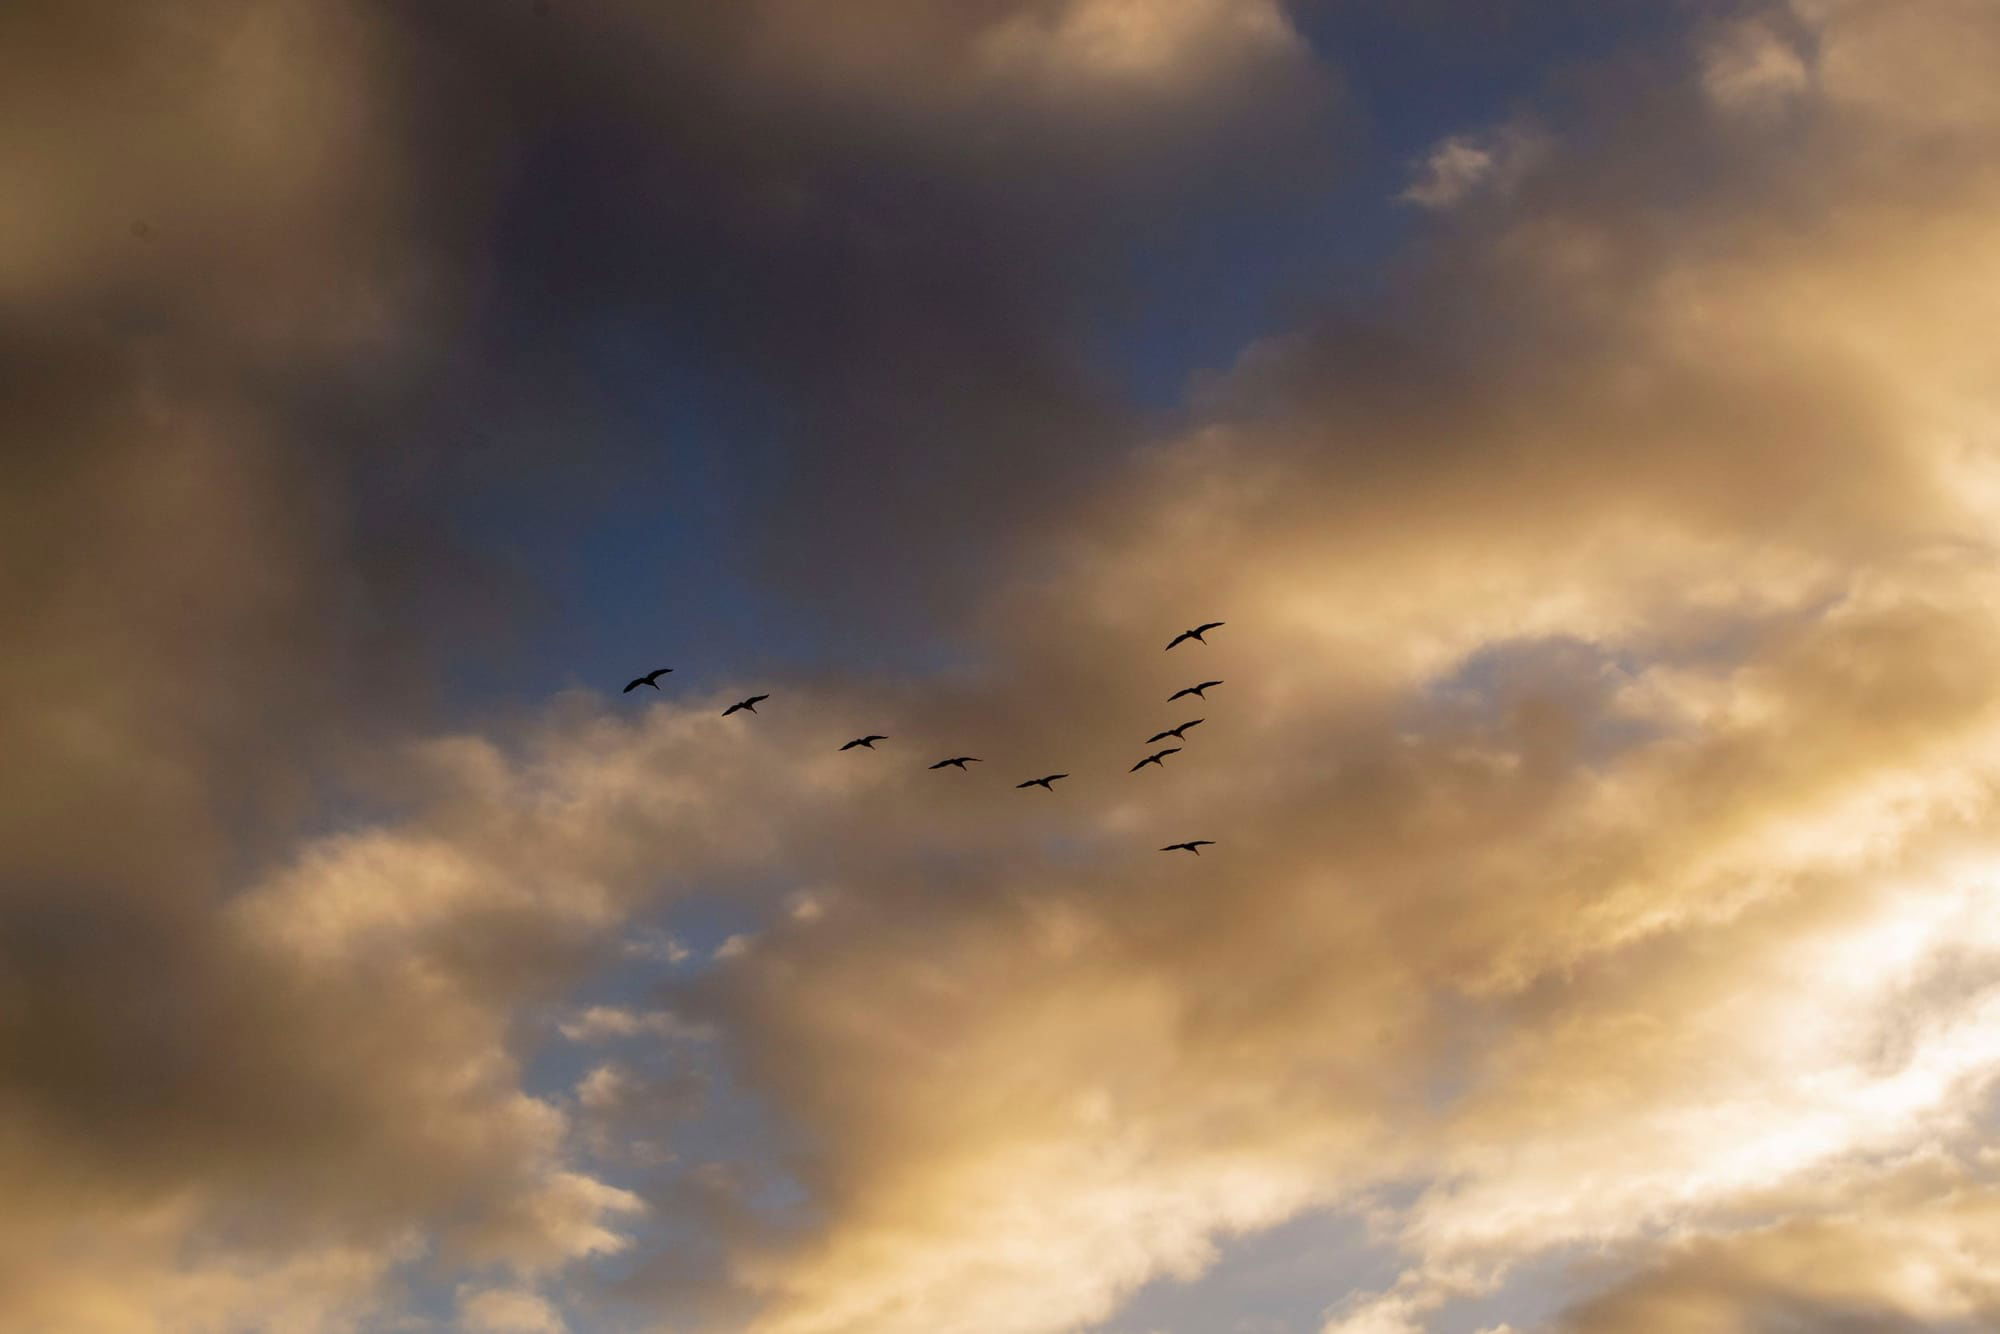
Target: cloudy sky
x,y
1585,416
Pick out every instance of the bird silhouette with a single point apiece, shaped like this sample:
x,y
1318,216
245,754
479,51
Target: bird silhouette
x,y
1158,757
1196,633
1194,845
959,760
651,678
1175,732
865,741
1047,782
1196,691
750,704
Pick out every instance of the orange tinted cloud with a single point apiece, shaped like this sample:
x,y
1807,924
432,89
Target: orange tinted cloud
x,y
1600,780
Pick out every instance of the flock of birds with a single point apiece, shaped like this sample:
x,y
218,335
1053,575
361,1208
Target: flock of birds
x,y
1046,782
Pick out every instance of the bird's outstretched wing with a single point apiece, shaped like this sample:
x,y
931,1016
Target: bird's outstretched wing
x,y
1175,641
1193,722
1201,843
1159,736
1196,633
755,700
632,686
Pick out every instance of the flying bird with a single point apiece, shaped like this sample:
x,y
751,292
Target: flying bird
x,y
960,761
1196,691
1158,757
1196,633
867,741
651,678
1047,782
1193,845
1177,733
750,704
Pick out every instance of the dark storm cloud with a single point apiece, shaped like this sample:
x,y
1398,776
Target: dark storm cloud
x,y
872,247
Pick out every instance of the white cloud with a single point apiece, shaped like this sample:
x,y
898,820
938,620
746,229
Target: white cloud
x,y
507,1311
1749,67
1138,42
1466,164
603,1023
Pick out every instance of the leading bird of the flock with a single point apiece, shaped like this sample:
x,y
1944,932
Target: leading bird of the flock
x,y
750,704
1177,733
1193,845
1196,633
959,762
868,742
1047,783
1158,757
1196,691
651,678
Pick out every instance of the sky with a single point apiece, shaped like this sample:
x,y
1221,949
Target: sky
x,y
1583,418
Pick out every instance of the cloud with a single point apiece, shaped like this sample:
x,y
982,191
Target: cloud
x,y
602,1087
1600,780
657,945
601,1023
1718,737
507,1311
1127,45
249,253
1913,69
1023,52
134,1272
1901,1252
855,237
1750,67
1461,165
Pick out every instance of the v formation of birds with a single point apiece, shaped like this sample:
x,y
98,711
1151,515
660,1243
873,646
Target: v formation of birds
x,y
1047,781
